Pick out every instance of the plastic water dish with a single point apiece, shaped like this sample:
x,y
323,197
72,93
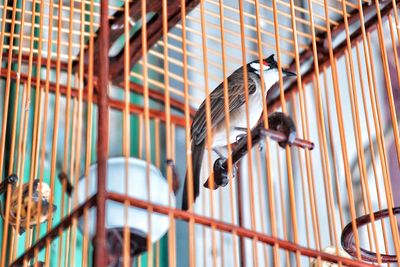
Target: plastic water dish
x,y
137,188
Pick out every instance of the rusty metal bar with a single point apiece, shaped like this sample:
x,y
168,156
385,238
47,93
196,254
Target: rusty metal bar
x,y
231,228
348,236
242,249
100,246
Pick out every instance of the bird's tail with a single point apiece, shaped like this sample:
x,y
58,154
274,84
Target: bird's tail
x,y
197,159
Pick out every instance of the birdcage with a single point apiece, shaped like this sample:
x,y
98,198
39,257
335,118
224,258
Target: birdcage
x,y
280,115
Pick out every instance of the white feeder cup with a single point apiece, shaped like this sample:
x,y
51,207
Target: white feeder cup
x,y
137,218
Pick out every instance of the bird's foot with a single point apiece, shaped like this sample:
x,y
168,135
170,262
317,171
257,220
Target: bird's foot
x,y
221,176
281,122
241,137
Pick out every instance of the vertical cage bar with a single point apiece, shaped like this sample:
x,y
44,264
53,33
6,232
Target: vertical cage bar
x,y
100,249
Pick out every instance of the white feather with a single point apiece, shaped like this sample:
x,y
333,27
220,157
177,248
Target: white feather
x,y
256,66
239,117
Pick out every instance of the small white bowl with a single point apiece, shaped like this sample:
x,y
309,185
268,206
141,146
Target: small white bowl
x,y
137,188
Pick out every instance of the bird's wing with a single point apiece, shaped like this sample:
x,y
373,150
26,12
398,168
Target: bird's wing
x,y
236,99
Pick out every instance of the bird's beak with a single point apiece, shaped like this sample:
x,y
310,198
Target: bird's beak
x,y
287,73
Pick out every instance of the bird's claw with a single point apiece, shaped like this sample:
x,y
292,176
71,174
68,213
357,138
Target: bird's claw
x,y
221,176
280,122
224,180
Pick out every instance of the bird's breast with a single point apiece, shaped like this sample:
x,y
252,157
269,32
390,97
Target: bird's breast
x,y
238,118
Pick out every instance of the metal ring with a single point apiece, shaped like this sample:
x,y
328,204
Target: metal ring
x,y
366,255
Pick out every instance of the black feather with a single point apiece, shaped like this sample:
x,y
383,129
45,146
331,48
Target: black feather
x,y
236,98
197,159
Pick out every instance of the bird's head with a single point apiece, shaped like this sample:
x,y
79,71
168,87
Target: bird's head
x,y
270,68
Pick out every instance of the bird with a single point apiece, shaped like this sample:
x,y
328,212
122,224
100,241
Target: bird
x,y
237,114
40,193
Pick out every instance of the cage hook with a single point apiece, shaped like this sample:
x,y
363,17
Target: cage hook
x,y
63,177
